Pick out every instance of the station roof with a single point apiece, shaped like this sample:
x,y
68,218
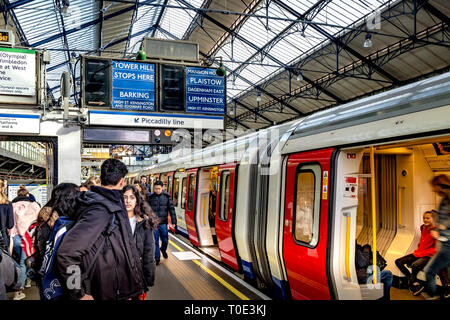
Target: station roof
x,y
285,58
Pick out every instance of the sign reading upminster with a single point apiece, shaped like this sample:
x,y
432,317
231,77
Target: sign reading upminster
x,y
17,72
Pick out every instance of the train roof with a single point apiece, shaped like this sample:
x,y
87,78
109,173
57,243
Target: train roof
x,y
234,150
418,96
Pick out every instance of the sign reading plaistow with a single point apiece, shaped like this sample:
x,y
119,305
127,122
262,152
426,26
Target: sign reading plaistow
x,y
17,72
205,91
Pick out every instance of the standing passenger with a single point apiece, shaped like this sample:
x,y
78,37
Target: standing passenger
x,y
116,273
62,203
144,181
162,205
25,213
6,214
143,222
440,185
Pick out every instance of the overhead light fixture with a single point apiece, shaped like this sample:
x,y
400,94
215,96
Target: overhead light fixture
x,y
221,71
73,57
258,97
299,76
65,10
368,43
141,56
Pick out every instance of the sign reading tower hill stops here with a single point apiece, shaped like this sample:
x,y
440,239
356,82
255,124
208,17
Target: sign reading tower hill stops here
x,y
205,91
133,86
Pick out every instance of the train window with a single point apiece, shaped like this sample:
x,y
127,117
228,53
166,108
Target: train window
x,y
224,205
191,191
307,204
183,193
175,190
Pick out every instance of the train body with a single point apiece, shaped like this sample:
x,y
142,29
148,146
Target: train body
x,y
285,206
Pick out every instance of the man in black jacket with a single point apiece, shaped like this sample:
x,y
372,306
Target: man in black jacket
x,y
116,273
161,204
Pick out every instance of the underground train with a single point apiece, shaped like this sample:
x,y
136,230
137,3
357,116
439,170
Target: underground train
x,y
285,206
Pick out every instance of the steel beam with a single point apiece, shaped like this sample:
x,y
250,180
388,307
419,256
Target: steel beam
x,y
89,24
339,43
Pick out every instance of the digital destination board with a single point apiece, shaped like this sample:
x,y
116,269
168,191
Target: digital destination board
x,y
205,91
133,85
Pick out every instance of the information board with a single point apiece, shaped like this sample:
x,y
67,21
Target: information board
x,y
19,123
205,91
96,82
172,85
133,85
17,72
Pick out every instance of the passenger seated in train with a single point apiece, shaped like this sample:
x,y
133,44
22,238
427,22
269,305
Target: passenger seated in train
x,y
364,261
420,257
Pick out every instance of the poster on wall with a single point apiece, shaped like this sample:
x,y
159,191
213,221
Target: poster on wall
x,y
17,72
133,85
39,191
205,91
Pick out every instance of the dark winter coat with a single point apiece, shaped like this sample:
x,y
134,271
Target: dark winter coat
x,y
6,221
145,243
117,272
162,205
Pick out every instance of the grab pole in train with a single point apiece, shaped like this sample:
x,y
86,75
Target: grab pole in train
x,y
374,218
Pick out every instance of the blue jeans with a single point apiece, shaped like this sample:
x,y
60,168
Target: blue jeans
x,y
21,254
385,277
162,232
440,260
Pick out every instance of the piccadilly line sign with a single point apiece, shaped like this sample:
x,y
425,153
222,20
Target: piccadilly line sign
x,y
134,119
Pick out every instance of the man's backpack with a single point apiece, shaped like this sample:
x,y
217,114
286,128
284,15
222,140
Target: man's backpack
x,y
51,287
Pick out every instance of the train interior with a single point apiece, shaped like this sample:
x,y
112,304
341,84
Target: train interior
x,y
206,211
402,194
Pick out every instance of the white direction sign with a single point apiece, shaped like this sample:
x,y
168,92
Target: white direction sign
x,y
132,119
17,72
19,123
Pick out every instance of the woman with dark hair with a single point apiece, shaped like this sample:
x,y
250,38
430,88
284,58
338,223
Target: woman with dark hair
x,y
142,221
61,203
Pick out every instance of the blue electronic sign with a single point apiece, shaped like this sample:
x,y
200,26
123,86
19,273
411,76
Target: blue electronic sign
x,y
133,85
205,91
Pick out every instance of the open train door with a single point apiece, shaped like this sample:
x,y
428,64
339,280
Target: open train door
x,y
170,192
190,205
305,224
225,215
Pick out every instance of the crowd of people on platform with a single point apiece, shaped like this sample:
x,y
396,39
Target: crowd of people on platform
x,y
101,241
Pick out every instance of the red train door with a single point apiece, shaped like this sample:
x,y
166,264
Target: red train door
x,y
305,225
169,191
225,215
190,205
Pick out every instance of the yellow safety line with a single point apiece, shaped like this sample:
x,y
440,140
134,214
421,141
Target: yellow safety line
x,y
217,277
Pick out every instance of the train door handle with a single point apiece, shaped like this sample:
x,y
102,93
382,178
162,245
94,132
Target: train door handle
x,y
286,222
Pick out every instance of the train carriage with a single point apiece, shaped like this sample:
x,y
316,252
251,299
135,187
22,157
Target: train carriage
x,y
293,200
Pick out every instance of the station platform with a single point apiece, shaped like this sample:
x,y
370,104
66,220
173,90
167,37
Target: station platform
x,y
187,274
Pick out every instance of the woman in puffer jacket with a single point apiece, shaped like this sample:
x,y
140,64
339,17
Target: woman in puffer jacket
x,y
25,213
142,221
